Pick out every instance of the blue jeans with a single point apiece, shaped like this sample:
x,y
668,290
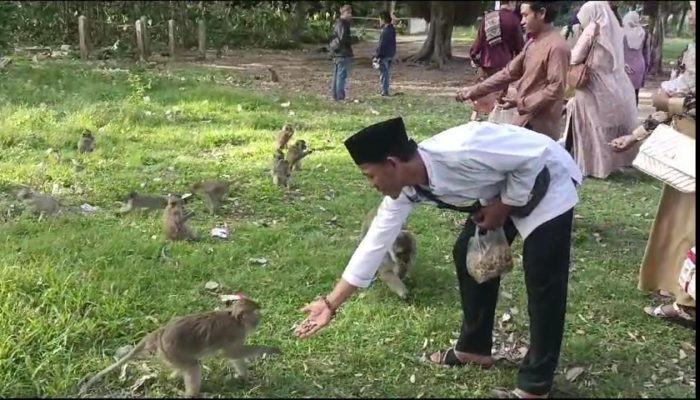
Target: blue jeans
x,y
385,74
341,67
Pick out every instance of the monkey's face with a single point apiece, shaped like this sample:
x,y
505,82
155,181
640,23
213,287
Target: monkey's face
x,y
247,312
385,177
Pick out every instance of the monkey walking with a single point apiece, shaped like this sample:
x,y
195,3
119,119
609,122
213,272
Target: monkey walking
x,y
273,75
215,192
86,144
184,341
39,204
175,221
137,201
398,260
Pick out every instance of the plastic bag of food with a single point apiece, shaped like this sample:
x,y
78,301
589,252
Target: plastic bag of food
x,y
500,116
489,255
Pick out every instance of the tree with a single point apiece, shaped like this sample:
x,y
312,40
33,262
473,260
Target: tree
x,y
442,17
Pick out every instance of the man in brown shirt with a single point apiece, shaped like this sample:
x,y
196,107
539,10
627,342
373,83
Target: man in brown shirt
x,y
540,70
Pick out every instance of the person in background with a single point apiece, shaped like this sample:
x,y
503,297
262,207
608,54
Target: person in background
x,y
673,230
637,54
572,31
341,48
604,108
540,71
386,50
498,40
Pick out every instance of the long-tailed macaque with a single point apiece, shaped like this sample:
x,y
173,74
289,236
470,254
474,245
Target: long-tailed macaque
x,y
184,341
398,260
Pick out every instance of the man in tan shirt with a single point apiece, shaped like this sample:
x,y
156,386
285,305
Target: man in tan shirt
x,y
541,70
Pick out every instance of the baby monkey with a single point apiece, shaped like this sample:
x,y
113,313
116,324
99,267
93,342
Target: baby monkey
x,y
215,192
296,153
86,144
175,220
273,75
284,135
137,201
280,170
184,341
400,258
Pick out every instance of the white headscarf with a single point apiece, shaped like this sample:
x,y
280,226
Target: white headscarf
x,y
634,33
610,35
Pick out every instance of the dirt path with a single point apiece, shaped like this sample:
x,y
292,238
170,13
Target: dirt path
x,y
307,70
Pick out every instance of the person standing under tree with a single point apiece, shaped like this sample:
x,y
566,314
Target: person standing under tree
x,y
637,53
498,40
525,183
341,48
540,70
386,50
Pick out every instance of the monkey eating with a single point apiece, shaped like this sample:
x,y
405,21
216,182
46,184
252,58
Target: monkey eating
x,y
175,221
137,201
400,258
296,153
184,341
284,135
86,144
215,192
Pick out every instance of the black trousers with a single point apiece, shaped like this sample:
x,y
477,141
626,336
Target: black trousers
x,y
546,263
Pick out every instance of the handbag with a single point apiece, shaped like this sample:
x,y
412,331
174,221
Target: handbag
x,y
668,156
578,75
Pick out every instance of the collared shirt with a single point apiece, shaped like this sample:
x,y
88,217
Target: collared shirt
x,y
476,161
540,71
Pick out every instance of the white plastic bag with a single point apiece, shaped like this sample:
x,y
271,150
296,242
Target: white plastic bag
x,y
500,116
489,255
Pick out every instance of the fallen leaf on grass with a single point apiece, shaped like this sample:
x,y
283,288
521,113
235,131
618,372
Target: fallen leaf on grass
x,y
412,378
139,383
682,355
574,373
122,351
211,285
260,261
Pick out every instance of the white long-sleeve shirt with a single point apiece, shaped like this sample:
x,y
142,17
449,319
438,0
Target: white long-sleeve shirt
x,y
475,161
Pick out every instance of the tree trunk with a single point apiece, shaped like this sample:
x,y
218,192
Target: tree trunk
x,y
437,48
299,19
681,21
654,11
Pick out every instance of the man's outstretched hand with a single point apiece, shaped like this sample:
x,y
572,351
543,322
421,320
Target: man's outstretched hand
x,y
319,315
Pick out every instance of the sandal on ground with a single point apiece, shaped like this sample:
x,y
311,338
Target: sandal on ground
x,y
511,394
671,312
449,358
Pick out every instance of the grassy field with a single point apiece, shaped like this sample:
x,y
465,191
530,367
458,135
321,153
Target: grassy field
x,y
75,288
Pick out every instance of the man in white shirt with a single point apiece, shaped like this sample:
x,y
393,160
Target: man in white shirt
x,y
509,171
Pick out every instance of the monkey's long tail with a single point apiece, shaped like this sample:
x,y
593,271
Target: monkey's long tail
x,y
134,352
163,254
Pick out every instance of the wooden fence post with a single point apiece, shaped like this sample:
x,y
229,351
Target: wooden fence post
x,y
146,39
139,41
202,34
171,38
83,32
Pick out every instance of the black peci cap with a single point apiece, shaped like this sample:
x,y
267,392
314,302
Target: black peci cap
x,y
374,143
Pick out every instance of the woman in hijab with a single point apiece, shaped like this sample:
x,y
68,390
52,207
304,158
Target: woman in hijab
x,y
604,109
636,51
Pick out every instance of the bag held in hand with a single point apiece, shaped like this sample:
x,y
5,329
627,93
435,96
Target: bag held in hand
x,y
578,75
489,255
668,156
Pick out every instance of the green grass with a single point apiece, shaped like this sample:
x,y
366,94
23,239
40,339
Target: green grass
x,y
75,288
674,48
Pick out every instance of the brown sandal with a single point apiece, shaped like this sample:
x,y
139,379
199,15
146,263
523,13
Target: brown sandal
x,y
449,358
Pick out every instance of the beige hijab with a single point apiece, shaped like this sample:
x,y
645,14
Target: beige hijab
x,y
611,34
634,33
